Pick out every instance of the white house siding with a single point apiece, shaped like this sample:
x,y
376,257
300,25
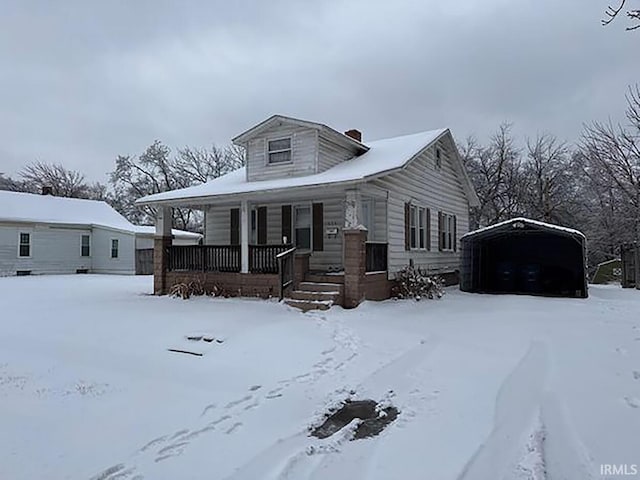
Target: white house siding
x,y
422,184
217,229
54,249
330,154
304,152
101,251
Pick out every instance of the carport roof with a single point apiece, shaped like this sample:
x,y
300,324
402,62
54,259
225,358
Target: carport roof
x,y
528,221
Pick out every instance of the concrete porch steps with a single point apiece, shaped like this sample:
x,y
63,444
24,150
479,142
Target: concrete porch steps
x,y
315,295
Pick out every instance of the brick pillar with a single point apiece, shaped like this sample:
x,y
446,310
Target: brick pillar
x,y
354,266
160,257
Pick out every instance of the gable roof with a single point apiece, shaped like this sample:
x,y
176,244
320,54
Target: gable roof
x,y
382,158
275,120
28,207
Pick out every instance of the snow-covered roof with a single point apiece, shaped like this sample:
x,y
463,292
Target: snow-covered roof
x,y
28,207
525,221
383,157
151,230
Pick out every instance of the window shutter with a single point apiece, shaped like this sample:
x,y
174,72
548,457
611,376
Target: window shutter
x,y
455,232
318,227
235,226
440,232
262,226
428,229
286,223
407,226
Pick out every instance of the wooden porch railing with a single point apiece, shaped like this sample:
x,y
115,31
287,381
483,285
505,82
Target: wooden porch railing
x,y
263,258
286,272
204,258
376,257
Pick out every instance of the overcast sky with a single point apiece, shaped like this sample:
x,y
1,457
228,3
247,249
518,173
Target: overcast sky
x,y
83,81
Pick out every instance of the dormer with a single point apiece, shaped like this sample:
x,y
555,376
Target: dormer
x,y
282,147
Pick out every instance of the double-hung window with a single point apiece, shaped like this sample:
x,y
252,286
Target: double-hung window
x,y
114,247
448,231
279,151
24,248
418,227
85,247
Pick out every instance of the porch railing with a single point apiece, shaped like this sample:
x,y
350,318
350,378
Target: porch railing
x,y
263,258
376,256
286,269
204,258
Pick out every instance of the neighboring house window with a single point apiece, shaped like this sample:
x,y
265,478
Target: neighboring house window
x,y
302,224
438,158
447,231
114,248
85,249
24,249
279,150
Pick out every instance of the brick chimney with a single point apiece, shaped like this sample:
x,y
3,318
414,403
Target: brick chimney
x,y
355,134
46,190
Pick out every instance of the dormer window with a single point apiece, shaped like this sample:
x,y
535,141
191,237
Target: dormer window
x,y
279,151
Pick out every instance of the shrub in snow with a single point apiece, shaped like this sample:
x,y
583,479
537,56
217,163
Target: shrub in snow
x,y
412,282
185,290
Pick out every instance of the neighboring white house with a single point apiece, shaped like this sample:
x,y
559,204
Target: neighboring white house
x,y
309,186
42,234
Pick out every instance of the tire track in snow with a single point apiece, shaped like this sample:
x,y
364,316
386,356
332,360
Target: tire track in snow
x,y
517,405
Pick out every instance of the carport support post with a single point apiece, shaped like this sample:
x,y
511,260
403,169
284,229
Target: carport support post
x,y
161,244
244,236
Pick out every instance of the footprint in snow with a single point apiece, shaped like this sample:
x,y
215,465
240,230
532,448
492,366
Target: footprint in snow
x,y
207,408
636,375
153,442
632,402
254,388
233,403
233,428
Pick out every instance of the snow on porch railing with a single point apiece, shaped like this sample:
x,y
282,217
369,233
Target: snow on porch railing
x,y
204,258
376,257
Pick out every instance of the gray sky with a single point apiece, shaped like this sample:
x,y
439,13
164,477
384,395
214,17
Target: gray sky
x,y
83,81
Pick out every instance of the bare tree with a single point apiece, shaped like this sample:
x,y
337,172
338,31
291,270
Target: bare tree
x,y
497,174
612,12
157,170
8,183
62,181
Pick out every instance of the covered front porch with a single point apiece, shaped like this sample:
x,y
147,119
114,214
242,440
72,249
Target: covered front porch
x,y
269,246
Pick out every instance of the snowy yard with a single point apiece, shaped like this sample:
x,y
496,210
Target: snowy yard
x,y
488,387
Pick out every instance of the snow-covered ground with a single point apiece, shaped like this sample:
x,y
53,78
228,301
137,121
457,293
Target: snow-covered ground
x,y
489,387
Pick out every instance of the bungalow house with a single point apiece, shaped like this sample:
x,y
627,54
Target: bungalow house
x,y
320,216
43,234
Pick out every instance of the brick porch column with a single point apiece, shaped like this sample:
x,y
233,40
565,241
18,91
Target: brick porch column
x,y
354,266
161,243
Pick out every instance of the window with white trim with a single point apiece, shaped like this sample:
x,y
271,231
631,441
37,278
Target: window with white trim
x,y
85,246
279,151
24,248
418,227
448,229
115,244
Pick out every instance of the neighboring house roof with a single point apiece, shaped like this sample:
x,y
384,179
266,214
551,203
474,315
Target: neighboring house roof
x,y
151,230
341,138
28,207
526,221
32,208
382,158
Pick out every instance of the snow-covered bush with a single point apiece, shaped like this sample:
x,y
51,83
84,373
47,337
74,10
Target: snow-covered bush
x,y
412,282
